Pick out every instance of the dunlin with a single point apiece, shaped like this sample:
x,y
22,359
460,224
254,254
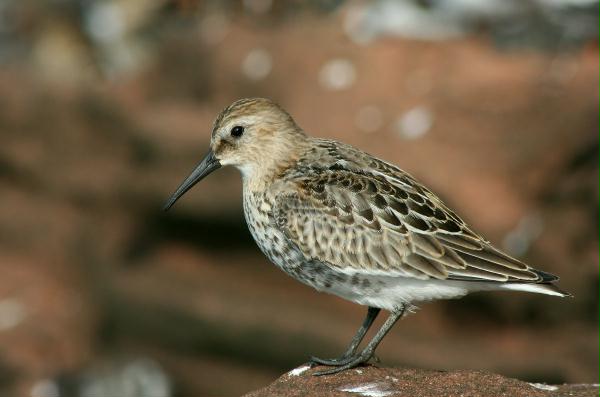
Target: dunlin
x,y
347,223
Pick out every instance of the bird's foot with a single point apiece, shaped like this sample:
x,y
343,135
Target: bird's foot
x,y
332,362
346,363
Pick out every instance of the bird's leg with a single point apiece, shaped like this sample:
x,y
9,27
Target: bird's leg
x,y
372,313
368,351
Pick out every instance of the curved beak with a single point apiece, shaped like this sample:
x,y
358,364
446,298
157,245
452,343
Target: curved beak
x,y
208,164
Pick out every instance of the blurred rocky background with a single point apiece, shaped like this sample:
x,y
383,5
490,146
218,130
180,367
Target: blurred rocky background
x,y
105,105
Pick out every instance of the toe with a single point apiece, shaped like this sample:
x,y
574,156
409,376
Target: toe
x,y
355,362
335,362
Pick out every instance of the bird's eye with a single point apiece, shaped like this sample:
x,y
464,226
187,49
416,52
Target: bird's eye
x,y
237,131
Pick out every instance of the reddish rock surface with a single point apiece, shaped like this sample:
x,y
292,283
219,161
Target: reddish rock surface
x,y
380,382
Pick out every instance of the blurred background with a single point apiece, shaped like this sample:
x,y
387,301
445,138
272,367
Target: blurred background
x,y
106,105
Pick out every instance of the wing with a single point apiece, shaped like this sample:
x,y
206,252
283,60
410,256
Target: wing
x,y
372,222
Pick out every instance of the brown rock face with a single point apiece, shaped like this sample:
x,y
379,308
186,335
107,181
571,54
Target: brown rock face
x,y
381,382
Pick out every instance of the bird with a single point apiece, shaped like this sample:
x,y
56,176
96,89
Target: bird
x,y
350,224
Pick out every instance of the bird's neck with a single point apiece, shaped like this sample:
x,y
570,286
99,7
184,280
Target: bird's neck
x,y
259,175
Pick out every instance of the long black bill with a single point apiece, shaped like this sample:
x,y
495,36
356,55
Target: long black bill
x,y
208,164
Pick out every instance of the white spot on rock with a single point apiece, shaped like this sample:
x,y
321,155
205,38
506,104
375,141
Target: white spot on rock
x,y
299,371
337,74
370,390
543,386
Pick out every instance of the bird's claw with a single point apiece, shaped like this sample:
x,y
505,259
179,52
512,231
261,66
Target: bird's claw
x,y
350,362
332,362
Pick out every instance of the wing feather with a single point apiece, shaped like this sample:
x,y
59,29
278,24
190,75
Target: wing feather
x,y
384,222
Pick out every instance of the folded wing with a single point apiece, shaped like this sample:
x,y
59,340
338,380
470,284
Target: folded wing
x,y
372,222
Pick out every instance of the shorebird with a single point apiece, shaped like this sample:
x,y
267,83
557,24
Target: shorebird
x,y
350,224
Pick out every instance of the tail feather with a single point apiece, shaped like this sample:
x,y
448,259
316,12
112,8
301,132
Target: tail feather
x,y
541,288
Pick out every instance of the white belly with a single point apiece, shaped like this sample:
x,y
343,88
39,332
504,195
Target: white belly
x,y
391,292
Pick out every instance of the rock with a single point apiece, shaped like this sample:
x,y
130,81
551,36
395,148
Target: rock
x,y
372,381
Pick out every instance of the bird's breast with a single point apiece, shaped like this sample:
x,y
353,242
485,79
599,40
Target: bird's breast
x,y
276,246
270,239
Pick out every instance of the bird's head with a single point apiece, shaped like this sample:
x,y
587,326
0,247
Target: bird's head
x,y
255,135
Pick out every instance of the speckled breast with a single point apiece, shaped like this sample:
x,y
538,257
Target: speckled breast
x,y
277,247
271,241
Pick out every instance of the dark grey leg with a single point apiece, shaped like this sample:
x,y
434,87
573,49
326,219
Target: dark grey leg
x,y
367,353
372,313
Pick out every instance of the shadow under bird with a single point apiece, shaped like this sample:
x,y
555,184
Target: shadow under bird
x,y
347,223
